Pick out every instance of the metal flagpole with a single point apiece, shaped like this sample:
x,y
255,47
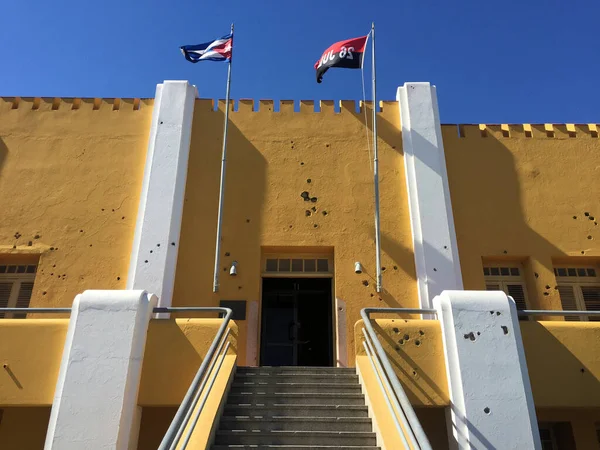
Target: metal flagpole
x,y
376,168
223,167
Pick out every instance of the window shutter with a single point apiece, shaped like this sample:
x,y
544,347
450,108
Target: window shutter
x,y
567,299
517,292
5,289
23,298
591,297
518,295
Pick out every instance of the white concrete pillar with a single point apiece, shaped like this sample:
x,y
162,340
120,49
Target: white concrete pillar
x,y
491,404
95,402
156,239
432,222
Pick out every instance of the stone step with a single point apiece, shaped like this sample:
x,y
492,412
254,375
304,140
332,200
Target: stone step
x,y
289,388
292,447
285,370
266,412
290,423
296,399
295,377
305,438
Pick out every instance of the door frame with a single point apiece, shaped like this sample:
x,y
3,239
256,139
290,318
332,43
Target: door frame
x,y
332,322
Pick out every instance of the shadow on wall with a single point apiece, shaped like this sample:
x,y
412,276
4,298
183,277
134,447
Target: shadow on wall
x,y
3,153
400,254
491,221
574,382
241,214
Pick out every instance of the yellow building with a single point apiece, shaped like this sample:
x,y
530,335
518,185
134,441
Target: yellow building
x,y
120,196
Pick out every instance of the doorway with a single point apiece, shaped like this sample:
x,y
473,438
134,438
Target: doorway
x,y
297,327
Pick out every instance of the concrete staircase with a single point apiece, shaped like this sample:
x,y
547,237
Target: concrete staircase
x,y
295,408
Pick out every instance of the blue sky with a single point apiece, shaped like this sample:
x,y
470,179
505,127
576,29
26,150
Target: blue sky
x,y
511,61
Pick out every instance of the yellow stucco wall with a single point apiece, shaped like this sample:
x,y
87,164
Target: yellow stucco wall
x,y
563,359
515,197
174,351
70,182
271,155
418,360
31,350
23,428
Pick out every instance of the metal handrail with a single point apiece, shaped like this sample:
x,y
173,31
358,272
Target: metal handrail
x,y
552,312
190,400
399,398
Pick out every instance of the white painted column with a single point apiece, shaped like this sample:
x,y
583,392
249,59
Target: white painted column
x,y
432,222
95,401
491,404
156,240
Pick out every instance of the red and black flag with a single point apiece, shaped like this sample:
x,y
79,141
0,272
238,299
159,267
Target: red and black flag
x,y
347,54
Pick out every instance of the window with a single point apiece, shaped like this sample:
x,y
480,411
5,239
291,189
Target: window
x,y
297,264
507,278
556,436
547,437
16,286
579,290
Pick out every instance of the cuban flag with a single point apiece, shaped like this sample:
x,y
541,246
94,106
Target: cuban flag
x,y
217,50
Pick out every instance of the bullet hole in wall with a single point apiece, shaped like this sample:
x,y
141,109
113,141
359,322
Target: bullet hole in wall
x,y
327,145
81,231
315,226
592,218
150,251
118,278
173,244
546,294
29,244
17,235
44,293
590,236
301,163
123,218
90,245
535,274
307,213
383,268
305,196
146,261
395,267
547,286
505,252
365,282
158,245
314,209
247,220
227,254
37,236
586,214
313,199
51,248
574,217
309,181
582,252
325,213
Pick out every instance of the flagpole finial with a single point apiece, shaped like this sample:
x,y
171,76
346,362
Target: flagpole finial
x,y
372,25
232,28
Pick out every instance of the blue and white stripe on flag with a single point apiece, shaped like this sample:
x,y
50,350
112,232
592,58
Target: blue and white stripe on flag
x,y
217,50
